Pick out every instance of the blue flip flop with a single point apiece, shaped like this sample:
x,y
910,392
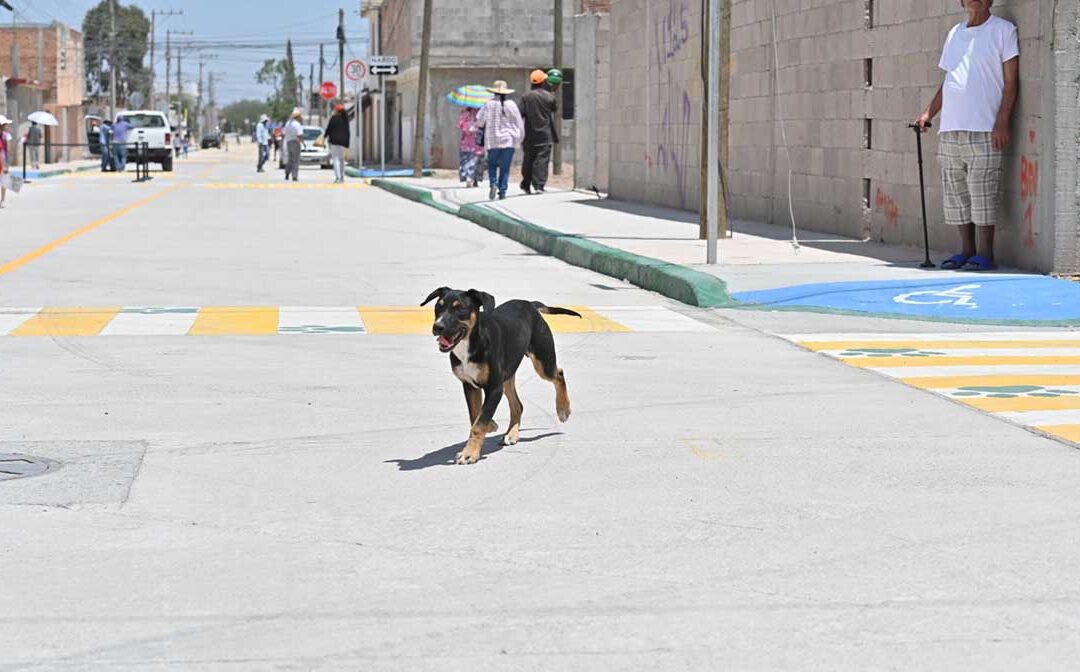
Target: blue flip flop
x,y
979,263
954,263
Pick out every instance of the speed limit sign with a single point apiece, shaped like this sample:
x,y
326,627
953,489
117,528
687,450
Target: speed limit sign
x,y
356,70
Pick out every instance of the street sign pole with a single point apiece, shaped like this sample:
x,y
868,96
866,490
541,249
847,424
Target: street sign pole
x,y
359,127
382,126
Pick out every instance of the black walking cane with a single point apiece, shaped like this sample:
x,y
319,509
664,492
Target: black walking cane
x,y
922,192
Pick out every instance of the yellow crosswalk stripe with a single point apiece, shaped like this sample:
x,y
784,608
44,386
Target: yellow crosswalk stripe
x,y
60,321
819,346
1067,432
235,321
273,186
947,382
589,322
914,362
397,320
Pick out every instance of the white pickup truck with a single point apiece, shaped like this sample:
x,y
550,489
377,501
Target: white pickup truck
x,y
151,127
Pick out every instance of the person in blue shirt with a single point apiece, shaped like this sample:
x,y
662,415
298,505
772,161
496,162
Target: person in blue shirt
x,y
119,142
262,137
105,139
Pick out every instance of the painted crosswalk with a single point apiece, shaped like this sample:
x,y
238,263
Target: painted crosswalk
x,y
1030,378
59,321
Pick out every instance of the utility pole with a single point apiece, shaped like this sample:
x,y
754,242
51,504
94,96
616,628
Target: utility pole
x,y
179,87
311,90
168,66
341,50
198,103
153,30
112,59
556,151
212,117
322,62
718,19
421,97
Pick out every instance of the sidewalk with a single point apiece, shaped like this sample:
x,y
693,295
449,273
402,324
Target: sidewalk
x,y
55,169
760,267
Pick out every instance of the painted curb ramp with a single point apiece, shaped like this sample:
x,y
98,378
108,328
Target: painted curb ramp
x,y
683,284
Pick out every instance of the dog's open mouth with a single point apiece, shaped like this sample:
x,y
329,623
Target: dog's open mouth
x,y
447,342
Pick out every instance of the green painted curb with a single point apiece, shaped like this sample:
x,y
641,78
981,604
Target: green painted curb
x,y
41,175
417,194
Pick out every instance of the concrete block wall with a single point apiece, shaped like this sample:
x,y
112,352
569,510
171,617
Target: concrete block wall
x,y
655,103
592,75
854,164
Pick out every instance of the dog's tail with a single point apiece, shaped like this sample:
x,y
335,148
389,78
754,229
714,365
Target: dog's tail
x,y
548,310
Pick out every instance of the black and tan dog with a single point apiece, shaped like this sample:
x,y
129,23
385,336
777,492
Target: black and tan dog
x,y
486,346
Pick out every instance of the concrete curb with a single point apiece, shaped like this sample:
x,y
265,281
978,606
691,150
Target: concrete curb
x,y
672,280
44,174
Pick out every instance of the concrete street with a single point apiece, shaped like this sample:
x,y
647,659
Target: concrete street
x,y
256,432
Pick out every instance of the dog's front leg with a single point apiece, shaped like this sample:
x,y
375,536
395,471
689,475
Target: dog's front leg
x,y
484,425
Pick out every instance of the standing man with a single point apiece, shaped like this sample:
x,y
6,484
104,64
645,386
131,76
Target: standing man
x,y
981,60
119,142
338,135
294,142
538,108
105,141
262,138
33,141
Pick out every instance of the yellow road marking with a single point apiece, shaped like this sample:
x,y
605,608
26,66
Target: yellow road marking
x,y
701,453
235,321
1067,432
67,322
397,320
589,322
1022,403
273,186
15,264
818,346
1046,380
914,362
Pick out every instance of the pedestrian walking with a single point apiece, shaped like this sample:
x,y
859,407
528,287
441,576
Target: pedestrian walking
x,y
538,109
338,136
5,164
276,138
503,130
185,144
470,149
262,138
105,142
981,60
33,142
119,142
294,142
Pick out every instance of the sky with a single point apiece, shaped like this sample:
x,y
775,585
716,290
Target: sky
x,y
234,36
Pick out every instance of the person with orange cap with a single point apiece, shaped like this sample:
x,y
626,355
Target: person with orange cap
x,y
338,137
538,108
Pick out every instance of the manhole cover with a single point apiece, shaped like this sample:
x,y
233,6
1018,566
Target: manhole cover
x,y
17,465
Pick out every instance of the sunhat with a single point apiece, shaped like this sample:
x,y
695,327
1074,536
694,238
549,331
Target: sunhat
x,y
4,120
263,117
500,88
537,76
297,112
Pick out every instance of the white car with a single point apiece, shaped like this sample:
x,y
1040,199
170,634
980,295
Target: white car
x,y
310,153
151,127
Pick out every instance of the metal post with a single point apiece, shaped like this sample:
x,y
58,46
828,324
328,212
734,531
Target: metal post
x,y
168,66
382,126
341,51
359,108
322,105
421,95
556,151
24,162
712,154
112,59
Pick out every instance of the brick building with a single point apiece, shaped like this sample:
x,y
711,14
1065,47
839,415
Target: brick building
x,y
471,43
44,69
845,77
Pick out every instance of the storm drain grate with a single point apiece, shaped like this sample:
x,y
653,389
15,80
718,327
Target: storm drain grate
x,y
17,465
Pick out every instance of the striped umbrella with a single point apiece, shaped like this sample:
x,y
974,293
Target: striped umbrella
x,y
472,95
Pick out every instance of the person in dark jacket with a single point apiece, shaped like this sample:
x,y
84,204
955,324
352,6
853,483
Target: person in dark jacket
x,y
337,135
538,108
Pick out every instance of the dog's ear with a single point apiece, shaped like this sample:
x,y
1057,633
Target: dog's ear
x,y
440,292
482,299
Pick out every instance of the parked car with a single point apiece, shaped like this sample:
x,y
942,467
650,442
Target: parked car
x,y
211,140
314,151
151,127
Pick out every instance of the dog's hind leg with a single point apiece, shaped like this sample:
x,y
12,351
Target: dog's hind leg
x,y
516,407
543,359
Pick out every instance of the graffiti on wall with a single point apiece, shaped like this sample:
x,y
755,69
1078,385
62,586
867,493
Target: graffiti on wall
x,y
888,207
674,144
1029,189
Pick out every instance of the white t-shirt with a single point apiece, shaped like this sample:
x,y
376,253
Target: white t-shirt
x,y
974,77
293,130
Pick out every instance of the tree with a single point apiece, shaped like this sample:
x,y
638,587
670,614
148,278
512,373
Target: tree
x,y
279,75
248,108
132,34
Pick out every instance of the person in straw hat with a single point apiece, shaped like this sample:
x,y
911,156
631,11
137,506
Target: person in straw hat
x,y
503,130
294,142
262,139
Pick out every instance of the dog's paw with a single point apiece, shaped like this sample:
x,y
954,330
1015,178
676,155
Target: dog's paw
x,y
467,457
564,413
510,438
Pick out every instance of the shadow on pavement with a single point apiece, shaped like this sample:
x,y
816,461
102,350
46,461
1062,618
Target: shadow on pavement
x,y
444,457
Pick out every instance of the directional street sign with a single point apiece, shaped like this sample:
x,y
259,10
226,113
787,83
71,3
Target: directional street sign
x,y
379,69
383,60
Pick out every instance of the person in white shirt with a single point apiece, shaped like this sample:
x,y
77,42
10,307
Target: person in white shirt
x,y
294,142
981,60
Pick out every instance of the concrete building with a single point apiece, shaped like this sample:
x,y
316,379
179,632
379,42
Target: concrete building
x,y
843,78
44,64
471,43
